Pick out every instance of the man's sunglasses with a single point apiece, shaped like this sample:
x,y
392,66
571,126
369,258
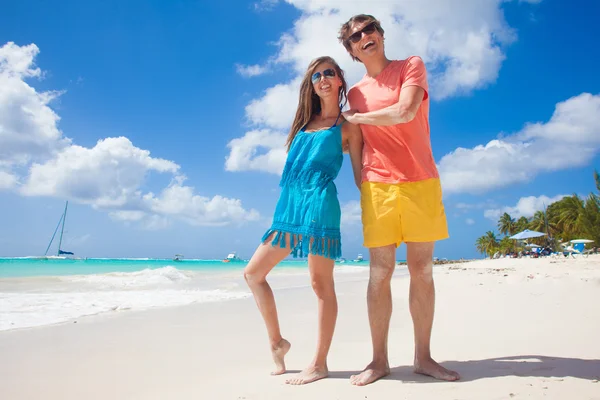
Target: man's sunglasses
x,y
328,73
367,30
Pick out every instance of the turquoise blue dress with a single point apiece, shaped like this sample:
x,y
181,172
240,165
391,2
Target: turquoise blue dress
x,y
308,208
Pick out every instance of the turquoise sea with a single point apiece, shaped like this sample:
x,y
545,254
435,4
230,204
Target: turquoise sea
x,y
38,291
34,266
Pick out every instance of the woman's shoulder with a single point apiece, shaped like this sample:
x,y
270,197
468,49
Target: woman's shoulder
x,y
349,127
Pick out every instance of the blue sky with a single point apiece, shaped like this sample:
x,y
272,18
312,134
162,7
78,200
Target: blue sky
x,y
163,122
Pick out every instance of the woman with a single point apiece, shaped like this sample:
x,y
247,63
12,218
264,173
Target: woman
x,y
307,215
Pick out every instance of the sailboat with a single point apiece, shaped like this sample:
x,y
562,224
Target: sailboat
x,y
61,223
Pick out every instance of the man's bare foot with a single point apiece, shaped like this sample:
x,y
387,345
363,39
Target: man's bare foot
x,y
309,375
279,351
431,368
372,373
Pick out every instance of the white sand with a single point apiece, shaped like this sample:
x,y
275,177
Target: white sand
x,y
526,328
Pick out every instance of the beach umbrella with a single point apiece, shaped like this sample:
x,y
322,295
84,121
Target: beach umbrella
x,y
582,241
526,234
532,245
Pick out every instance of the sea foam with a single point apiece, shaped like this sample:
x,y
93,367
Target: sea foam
x,y
75,296
165,276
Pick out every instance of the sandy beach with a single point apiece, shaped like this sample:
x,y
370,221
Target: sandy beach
x,y
513,328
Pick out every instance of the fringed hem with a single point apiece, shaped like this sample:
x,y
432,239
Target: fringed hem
x,y
302,244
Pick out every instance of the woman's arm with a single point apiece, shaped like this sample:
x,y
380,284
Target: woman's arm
x,y
353,141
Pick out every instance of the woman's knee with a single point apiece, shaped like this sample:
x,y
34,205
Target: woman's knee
x,y
252,276
323,286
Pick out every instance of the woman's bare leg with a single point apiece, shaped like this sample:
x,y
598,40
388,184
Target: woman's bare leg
x,y
321,274
262,262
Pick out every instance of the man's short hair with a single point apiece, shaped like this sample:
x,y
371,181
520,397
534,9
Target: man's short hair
x,y
344,32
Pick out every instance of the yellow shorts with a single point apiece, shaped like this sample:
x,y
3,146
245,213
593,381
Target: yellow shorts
x,y
402,212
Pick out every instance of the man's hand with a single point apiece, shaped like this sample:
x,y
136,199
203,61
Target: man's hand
x,y
349,115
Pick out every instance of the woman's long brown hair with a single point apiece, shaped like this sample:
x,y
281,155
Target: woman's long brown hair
x,y
309,102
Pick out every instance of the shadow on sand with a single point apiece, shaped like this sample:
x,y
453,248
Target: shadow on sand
x,y
525,366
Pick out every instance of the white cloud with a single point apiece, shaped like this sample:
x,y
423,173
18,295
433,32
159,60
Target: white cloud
x,y
470,221
525,207
127,215
465,207
276,107
351,213
17,61
151,222
244,154
37,160
108,175
250,71
460,41
78,240
7,180
28,126
570,138
180,201
268,5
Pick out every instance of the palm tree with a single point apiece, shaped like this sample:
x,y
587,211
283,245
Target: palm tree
x,y
569,216
506,225
590,220
487,244
507,245
538,222
522,224
566,219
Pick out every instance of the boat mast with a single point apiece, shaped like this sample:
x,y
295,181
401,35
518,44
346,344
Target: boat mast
x,y
54,234
63,228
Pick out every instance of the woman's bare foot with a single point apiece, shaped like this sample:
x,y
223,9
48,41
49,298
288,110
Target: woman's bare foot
x,y
373,372
279,351
431,368
309,375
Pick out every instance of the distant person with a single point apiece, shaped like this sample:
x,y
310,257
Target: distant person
x,y
307,215
401,195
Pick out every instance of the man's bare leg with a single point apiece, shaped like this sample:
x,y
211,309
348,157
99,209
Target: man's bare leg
x,y
321,273
379,301
422,304
262,262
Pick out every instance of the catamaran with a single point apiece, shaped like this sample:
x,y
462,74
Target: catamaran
x,y
231,257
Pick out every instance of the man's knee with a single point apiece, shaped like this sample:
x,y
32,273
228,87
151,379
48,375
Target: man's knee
x,y
382,264
421,269
420,260
381,273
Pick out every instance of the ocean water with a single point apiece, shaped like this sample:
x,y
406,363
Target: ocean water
x,y
36,292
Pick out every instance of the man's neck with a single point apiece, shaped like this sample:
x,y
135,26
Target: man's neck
x,y
376,65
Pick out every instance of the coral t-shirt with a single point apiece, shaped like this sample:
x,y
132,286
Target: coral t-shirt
x,y
398,153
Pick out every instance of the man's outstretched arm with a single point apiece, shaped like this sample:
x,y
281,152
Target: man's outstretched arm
x,y
398,113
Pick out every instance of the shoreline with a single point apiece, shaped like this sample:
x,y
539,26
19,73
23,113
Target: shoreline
x,y
507,326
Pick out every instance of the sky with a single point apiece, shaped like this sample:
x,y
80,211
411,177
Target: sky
x,y
163,123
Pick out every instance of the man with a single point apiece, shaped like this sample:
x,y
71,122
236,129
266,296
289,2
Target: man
x,y
401,196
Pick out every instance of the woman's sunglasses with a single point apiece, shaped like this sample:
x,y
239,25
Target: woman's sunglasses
x,y
367,30
328,73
